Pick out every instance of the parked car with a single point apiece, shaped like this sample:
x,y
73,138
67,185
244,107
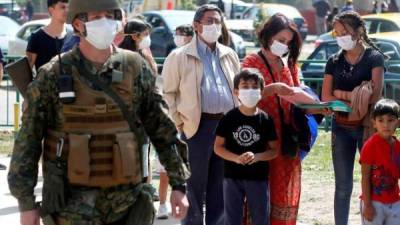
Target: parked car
x,y
375,23
17,45
239,7
11,9
164,23
8,30
387,42
243,28
270,9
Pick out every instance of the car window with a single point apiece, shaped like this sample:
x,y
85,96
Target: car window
x,y
388,49
288,11
156,21
386,26
27,31
331,49
251,13
373,27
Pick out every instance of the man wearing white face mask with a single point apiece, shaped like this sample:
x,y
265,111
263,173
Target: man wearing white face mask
x,y
198,89
91,108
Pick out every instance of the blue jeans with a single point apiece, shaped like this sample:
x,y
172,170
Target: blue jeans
x,y
345,142
204,187
257,195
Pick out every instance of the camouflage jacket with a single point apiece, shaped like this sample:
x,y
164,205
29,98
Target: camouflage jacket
x,y
44,112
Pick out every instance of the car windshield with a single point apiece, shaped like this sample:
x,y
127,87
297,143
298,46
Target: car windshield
x,y
8,26
289,11
176,19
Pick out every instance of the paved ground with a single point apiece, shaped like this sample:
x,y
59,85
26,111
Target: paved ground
x,y
8,205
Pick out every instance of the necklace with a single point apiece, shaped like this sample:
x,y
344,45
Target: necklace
x,y
349,72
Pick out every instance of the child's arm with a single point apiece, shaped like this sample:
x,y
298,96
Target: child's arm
x,y
368,211
270,153
220,150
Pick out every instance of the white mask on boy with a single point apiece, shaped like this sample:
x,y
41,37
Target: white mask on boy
x,y
249,97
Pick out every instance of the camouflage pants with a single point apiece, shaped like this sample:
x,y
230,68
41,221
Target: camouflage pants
x,y
110,206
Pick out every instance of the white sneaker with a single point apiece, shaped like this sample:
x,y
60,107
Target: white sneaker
x,y
162,212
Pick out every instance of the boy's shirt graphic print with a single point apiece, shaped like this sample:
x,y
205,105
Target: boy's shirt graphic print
x,y
246,136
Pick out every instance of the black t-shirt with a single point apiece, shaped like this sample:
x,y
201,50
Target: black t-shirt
x,y
242,134
346,77
45,46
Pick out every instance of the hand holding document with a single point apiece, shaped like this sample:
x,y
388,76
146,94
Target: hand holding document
x,y
302,99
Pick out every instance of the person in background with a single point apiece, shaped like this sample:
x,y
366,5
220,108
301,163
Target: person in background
x,y
322,7
393,6
380,167
137,39
384,7
29,9
374,7
329,18
348,6
358,60
183,35
198,86
246,140
46,42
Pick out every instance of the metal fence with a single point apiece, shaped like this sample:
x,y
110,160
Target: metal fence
x,y
10,107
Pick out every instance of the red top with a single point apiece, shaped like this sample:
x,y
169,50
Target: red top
x,y
385,171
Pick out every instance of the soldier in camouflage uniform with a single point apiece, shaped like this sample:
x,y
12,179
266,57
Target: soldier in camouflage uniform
x,y
91,163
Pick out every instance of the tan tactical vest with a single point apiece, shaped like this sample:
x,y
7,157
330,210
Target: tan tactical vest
x,y
95,139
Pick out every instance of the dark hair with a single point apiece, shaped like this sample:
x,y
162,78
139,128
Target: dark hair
x,y
354,20
246,75
134,26
51,3
205,8
185,29
386,107
225,38
276,24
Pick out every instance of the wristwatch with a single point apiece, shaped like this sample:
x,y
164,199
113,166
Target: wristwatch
x,y
179,187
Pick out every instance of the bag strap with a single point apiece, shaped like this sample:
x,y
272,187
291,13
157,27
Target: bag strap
x,y
281,113
131,118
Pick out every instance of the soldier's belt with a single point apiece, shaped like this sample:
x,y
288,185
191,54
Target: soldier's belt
x,y
101,160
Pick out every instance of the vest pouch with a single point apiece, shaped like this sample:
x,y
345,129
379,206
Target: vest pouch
x,y
126,159
79,159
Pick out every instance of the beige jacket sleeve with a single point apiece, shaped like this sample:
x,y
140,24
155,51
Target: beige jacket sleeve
x,y
171,79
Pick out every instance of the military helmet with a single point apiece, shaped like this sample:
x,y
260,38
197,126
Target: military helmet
x,y
83,6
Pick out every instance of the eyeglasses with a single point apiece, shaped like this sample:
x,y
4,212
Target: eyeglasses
x,y
210,21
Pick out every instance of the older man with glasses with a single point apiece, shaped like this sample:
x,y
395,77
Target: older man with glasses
x,y
198,89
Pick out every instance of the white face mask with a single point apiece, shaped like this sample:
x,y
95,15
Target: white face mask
x,y
211,33
145,43
346,42
278,49
249,97
101,32
179,40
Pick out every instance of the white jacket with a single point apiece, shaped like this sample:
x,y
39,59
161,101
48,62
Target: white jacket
x,y
182,75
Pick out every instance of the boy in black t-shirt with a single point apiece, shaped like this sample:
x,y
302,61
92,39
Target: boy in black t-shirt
x,y
246,140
